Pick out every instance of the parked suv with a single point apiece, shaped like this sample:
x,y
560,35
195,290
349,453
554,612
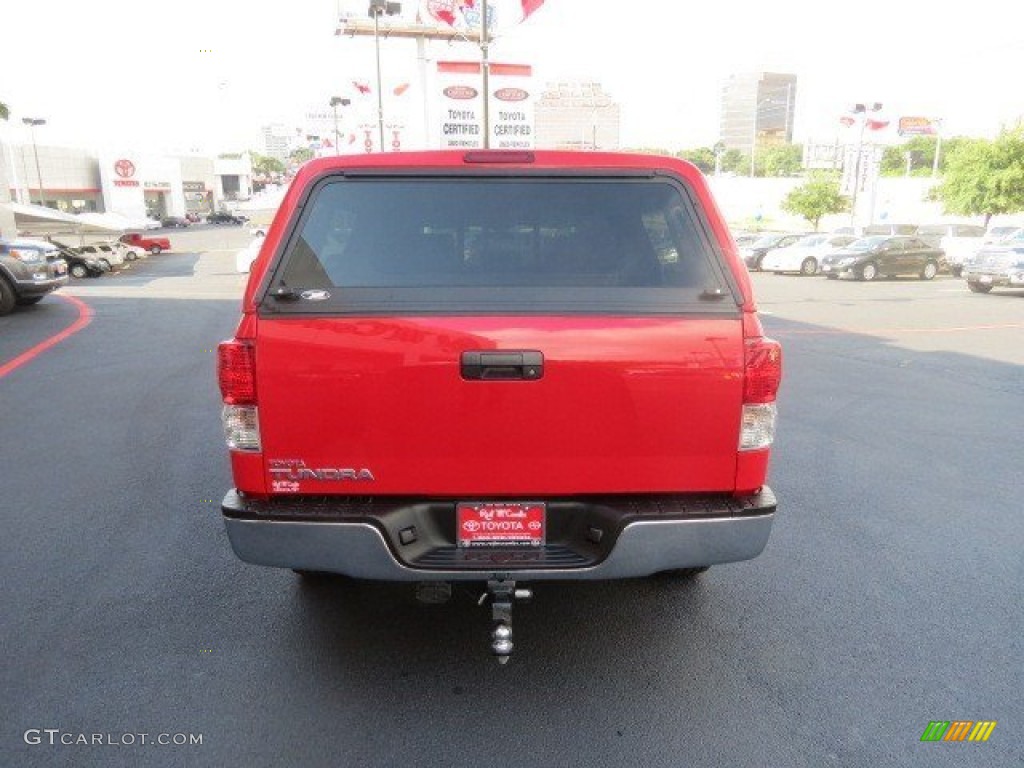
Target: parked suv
x,y
29,269
498,367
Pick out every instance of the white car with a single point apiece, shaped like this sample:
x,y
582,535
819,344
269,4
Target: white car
x,y
804,256
246,256
129,252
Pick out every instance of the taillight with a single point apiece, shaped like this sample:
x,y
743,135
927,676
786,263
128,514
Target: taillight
x,y
762,372
762,376
236,372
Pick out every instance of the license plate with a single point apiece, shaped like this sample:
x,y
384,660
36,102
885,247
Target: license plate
x,y
985,279
500,524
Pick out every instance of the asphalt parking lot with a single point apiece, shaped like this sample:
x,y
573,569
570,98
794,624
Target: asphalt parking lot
x,y
889,595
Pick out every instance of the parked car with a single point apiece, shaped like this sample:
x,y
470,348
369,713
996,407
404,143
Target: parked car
x,y
108,257
223,217
755,252
745,238
869,230
958,241
154,245
805,255
997,266
129,252
1000,232
29,269
79,266
550,326
174,221
869,257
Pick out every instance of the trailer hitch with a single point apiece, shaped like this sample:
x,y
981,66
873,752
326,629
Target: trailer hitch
x,y
503,594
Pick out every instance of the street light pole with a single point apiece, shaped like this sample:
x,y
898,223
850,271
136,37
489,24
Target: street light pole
x,y
32,122
337,101
862,110
485,69
377,7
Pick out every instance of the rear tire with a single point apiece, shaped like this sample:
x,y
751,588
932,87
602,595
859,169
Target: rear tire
x,y
106,265
8,299
931,269
868,272
155,250
978,287
809,266
79,271
956,271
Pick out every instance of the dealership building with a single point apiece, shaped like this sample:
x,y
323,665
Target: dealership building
x,y
133,184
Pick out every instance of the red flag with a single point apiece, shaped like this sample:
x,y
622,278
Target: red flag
x,y
847,120
400,89
877,125
529,6
363,88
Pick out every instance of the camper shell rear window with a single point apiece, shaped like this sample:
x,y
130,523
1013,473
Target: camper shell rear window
x,y
379,244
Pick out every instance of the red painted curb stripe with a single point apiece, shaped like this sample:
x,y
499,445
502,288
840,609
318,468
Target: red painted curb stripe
x,y
84,318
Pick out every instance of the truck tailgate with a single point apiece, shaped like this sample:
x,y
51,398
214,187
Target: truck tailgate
x,y
373,405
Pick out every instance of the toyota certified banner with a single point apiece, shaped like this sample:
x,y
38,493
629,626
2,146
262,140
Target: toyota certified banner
x,y
461,105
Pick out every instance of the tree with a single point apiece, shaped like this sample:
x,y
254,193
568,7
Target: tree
x,y
5,111
922,156
734,161
985,178
702,157
265,164
301,155
816,197
781,160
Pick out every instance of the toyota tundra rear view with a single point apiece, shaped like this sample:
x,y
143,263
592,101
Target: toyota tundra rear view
x,y
498,367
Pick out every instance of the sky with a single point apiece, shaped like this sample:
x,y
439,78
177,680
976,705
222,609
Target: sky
x,y
206,74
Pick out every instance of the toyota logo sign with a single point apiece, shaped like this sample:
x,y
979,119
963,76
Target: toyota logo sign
x,y
124,168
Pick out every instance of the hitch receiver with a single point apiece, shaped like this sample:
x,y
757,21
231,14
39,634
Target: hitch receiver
x,y
503,594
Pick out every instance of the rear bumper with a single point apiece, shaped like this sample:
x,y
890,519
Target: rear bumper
x,y
639,536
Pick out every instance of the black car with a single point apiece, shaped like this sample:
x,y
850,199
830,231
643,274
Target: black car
x,y
225,218
869,257
80,264
753,254
174,221
29,269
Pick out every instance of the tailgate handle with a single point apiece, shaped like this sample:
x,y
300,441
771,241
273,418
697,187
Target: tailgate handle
x,y
503,365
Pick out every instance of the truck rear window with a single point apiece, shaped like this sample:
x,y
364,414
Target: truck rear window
x,y
512,245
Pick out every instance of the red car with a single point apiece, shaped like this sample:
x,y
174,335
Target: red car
x,y
154,245
498,367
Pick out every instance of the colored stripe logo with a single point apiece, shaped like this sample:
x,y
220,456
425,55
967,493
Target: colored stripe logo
x,y
958,730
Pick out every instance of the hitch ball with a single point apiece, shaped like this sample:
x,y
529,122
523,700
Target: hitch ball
x,y
501,642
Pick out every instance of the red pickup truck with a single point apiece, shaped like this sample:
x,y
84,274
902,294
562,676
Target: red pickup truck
x,y
498,367
154,245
